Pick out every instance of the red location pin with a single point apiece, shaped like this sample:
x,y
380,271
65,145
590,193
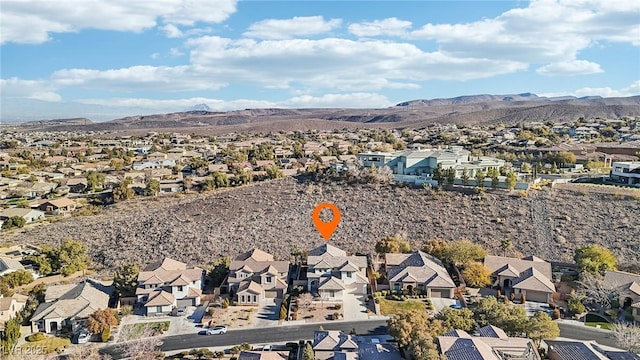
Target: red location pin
x,y
326,229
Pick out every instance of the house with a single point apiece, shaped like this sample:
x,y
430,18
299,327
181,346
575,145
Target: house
x,y
491,344
628,287
59,206
166,284
588,350
77,185
529,276
263,355
9,307
626,172
69,305
30,215
331,273
419,271
337,345
256,276
9,265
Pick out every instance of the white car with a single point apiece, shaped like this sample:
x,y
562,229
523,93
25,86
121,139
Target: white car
x,y
217,330
83,337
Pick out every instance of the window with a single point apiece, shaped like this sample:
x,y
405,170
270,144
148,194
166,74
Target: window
x,y
180,288
349,273
158,309
332,293
242,298
255,298
269,279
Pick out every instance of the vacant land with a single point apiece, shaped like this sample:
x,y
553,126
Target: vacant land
x,y
276,215
390,307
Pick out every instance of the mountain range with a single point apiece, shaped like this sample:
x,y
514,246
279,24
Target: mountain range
x,y
468,110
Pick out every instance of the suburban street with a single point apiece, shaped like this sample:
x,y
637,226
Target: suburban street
x,y
305,332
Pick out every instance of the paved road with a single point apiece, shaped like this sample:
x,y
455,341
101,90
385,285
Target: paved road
x,y
305,332
262,335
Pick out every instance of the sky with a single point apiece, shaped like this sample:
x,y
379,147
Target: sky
x,y
106,59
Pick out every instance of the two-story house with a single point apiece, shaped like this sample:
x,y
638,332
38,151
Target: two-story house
x,y
165,285
419,271
331,273
255,276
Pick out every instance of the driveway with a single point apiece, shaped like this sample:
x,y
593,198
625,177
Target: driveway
x,y
268,313
442,303
354,308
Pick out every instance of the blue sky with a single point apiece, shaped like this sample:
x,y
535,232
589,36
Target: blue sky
x,y
105,59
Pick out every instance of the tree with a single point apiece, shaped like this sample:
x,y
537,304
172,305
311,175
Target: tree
x,y
476,275
125,280
10,336
14,222
66,258
94,180
219,270
462,252
392,245
510,318
274,172
512,180
595,259
122,191
595,290
152,188
438,174
101,320
220,179
451,175
17,278
414,331
627,336
304,300
43,264
456,319
465,177
506,244
307,353
574,303
480,176
541,327
436,248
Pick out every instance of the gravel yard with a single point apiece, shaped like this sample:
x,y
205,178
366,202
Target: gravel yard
x,y
276,215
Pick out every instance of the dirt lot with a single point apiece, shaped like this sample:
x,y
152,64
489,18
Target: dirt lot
x,y
276,215
233,316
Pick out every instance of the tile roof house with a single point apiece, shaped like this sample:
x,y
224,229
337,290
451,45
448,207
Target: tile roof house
x,y
60,206
263,355
419,271
529,276
492,344
331,273
30,215
9,265
628,287
255,276
167,284
585,350
10,306
69,305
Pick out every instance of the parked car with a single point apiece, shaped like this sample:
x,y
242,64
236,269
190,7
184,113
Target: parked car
x,y
179,311
82,337
267,348
217,330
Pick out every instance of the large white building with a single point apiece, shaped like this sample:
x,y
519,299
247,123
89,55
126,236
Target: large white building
x,y
421,163
626,172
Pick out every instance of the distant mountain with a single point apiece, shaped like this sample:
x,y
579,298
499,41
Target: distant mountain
x,y
199,107
465,110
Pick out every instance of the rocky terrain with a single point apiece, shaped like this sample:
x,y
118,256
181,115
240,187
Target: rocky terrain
x,y
276,215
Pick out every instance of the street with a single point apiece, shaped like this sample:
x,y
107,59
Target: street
x,y
305,332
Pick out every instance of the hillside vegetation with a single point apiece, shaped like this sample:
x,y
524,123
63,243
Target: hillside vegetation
x,y
276,215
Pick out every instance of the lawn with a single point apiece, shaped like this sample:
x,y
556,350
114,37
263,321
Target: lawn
x,y
388,307
603,325
48,345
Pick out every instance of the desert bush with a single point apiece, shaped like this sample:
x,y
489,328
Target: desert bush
x,y
36,337
126,310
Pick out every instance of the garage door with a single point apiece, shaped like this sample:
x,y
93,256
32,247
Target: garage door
x,y
440,293
270,294
536,296
186,302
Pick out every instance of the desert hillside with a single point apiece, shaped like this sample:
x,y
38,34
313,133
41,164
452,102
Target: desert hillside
x,y
276,215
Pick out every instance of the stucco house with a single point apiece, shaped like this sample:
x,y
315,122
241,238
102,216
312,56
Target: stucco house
x,y
10,306
529,276
30,215
419,271
9,265
255,276
492,343
61,206
69,305
167,284
331,273
627,285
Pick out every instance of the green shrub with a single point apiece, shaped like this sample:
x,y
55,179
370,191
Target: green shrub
x,y
126,310
105,335
36,337
337,306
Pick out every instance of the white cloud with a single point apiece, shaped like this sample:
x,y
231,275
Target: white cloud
x,y
15,88
155,56
175,52
632,90
171,31
390,26
34,21
573,67
546,31
277,29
